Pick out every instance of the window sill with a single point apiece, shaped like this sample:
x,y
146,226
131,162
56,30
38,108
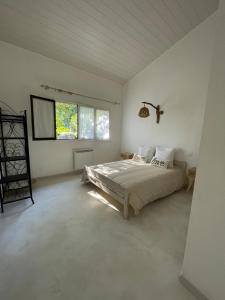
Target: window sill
x,y
84,140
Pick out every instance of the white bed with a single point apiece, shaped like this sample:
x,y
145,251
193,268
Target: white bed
x,y
135,183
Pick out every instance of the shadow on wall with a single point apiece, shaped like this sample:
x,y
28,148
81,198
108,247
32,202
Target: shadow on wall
x,y
180,154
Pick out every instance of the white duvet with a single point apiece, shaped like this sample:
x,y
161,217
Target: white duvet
x,y
143,182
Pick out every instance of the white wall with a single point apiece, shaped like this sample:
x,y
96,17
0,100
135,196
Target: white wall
x,y
204,261
22,72
178,81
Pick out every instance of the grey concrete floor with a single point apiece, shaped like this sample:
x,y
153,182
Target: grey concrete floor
x,y
73,244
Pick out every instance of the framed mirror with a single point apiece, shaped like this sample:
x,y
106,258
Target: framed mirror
x,y
43,118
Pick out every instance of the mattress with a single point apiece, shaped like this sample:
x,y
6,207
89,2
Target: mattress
x,y
143,182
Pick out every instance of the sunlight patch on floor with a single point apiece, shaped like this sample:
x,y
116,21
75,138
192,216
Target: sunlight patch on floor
x,y
101,199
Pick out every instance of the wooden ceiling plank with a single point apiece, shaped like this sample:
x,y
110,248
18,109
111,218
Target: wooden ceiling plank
x,y
115,39
99,46
125,26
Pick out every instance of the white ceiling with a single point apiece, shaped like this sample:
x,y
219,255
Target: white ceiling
x,y
112,38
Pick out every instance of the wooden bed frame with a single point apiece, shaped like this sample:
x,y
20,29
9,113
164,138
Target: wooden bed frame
x,y
124,200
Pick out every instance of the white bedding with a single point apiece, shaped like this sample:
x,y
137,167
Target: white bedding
x,y
143,182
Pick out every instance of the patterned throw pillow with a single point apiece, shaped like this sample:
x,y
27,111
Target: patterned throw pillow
x,y
165,154
159,163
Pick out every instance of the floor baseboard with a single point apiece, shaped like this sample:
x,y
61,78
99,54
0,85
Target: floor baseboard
x,y
56,175
193,289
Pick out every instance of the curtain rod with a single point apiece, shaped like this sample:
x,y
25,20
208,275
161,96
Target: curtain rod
x,y
47,87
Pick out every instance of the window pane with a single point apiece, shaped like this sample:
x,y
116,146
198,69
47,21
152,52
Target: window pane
x,y
86,122
102,124
66,121
43,115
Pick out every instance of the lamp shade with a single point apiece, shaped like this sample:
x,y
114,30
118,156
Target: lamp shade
x,y
144,112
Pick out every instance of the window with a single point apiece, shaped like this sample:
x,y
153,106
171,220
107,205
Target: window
x,y
81,122
66,121
43,118
102,124
86,122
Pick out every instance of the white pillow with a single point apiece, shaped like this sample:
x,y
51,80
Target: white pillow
x,y
165,154
159,163
146,152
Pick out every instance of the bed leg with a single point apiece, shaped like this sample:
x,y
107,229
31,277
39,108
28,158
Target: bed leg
x,y
125,207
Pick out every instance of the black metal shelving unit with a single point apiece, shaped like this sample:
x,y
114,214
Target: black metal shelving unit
x,y
15,176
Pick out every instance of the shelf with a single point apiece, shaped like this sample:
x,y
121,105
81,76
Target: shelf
x,y
17,194
12,158
18,188
13,178
15,200
12,121
12,138
12,118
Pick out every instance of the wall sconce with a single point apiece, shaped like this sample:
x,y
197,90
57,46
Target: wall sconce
x,y
144,111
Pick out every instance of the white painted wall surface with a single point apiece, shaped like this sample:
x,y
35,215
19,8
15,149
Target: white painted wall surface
x,y
204,261
178,81
22,72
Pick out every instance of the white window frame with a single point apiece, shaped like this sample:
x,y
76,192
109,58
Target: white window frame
x,y
78,111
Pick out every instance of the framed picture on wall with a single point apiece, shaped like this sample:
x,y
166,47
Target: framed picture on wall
x,y
43,118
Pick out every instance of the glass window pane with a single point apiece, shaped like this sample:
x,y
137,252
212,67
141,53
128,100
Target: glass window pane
x,y
86,122
102,124
66,121
43,115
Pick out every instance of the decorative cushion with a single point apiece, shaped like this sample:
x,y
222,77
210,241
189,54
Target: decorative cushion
x,y
159,163
138,158
165,154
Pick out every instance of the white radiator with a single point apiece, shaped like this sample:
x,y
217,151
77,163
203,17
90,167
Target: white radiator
x,y
82,157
